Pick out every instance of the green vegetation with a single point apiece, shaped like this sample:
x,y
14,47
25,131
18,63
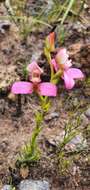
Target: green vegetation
x,y
30,152
66,158
57,14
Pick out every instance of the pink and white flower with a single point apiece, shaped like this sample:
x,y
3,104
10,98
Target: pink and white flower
x,y
42,88
62,62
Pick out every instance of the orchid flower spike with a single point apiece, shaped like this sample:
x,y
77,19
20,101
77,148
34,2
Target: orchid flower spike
x,y
42,88
63,63
50,42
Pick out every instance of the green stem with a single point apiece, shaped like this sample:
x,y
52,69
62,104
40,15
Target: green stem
x,y
58,74
41,22
51,66
67,11
61,8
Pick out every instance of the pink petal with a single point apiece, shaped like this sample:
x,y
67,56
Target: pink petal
x,y
34,66
47,89
55,65
62,56
68,64
22,88
69,82
75,73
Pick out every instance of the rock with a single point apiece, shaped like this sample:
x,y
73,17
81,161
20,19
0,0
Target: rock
x,y
75,102
86,6
4,25
3,146
6,187
78,27
2,106
34,185
84,120
51,116
54,137
87,113
76,144
50,4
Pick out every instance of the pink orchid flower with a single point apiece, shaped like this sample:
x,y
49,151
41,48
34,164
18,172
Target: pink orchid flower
x,y
62,62
42,88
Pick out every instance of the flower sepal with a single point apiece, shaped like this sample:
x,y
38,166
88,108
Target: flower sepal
x,y
50,42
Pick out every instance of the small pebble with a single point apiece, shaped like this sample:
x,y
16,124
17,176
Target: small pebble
x,y
77,143
51,116
87,113
4,25
34,185
84,120
6,187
